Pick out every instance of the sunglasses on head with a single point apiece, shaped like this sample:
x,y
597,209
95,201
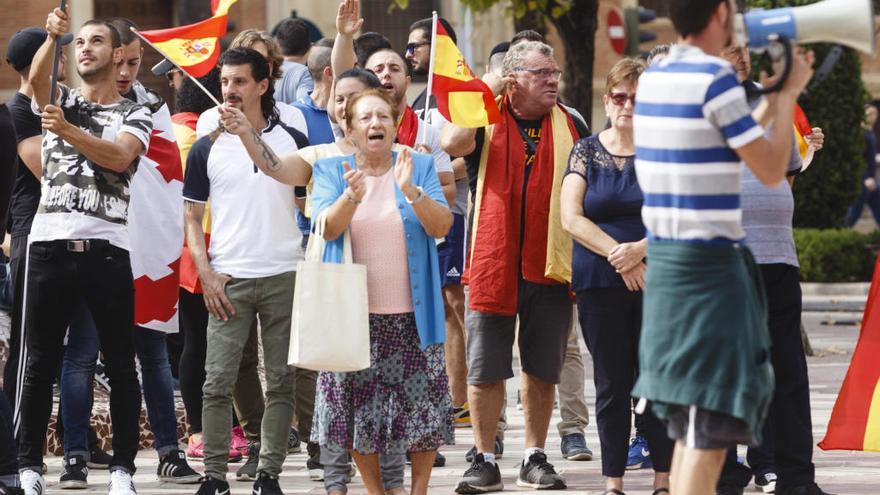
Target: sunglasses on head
x,y
619,99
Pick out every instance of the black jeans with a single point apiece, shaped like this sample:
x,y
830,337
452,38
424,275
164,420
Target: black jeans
x,y
8,460
611,321
787,444
56,278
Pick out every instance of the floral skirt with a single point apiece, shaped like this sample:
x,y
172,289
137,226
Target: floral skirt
x,y
399,404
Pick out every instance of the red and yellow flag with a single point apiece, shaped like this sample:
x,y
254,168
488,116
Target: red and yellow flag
x,y
461,96
855,419
194,48
802,129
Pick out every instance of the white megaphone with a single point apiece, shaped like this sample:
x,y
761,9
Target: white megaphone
x,y
845,22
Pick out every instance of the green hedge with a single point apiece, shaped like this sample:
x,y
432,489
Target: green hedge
x,y
836,255
823,193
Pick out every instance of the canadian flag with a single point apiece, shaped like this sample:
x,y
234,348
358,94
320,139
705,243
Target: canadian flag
x,y
155,222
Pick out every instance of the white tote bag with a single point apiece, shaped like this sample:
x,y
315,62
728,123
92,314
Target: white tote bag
x,y
330,327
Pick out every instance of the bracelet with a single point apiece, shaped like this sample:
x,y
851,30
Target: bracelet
x,y
420,197
350,199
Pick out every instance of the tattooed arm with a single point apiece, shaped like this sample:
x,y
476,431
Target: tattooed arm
x,y
289,169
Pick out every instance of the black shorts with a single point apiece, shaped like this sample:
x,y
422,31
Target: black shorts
x,y
703,429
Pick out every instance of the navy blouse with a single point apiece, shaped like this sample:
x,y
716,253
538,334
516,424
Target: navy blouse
x,y
613,201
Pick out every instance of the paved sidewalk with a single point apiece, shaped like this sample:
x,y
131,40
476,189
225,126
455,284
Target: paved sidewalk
x,y
849,473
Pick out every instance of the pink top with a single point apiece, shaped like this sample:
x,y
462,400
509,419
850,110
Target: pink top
x,y
378,241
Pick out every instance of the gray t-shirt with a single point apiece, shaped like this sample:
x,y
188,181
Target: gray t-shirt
x,y
767,214
295,82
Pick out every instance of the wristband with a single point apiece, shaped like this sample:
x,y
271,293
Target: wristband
x,y
420,197
350,199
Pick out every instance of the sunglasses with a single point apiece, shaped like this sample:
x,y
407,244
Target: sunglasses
x,y
170,74
619,99
411,47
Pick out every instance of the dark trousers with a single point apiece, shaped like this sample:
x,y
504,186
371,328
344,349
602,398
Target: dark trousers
x,y
8,460
872,199
13,374
611,321
56,278
787,444
194,325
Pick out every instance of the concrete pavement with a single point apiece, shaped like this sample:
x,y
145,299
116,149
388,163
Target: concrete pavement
x,y
849,473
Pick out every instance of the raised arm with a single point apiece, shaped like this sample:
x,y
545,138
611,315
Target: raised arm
x,y
39,77
348,22
434,216
289,169
458,141
113,155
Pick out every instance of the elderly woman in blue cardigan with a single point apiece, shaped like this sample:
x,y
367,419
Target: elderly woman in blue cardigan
x,y
392,206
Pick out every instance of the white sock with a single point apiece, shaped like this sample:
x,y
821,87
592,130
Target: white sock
x,y
487,457
532,450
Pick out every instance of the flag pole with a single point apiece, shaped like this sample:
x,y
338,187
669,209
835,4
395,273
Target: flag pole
x,y
56,60
430,72
190,76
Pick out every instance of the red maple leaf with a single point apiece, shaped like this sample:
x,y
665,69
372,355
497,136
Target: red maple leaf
x,y
157,299
167,156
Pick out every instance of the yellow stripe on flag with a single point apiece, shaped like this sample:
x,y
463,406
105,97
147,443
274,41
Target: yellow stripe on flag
x,y
872,428
449,62
223,7
186,52
467,109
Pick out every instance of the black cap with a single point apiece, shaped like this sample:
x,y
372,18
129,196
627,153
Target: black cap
x,y
163,67
502,47
24,45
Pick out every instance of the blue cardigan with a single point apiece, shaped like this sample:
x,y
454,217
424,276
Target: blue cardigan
x,y
424,270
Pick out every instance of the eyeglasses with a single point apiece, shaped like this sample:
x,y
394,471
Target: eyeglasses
x,y
170,74
411,47
619,99
541,73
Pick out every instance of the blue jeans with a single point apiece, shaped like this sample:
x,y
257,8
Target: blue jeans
x,y
872,199
336,469
77,375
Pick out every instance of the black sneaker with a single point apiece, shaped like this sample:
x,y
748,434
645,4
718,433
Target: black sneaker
x,y
294,445
248,472
98,459
439,459
266,484
811,489
315,468
728,490
766,482
574,448
481,477
539,474
499,451
174,468
75,475
211,486
10,490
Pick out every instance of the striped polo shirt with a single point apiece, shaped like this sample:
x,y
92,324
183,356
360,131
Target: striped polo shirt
x,y
690,117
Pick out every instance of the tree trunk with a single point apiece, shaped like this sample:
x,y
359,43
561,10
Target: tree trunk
x,y
577,31
532,20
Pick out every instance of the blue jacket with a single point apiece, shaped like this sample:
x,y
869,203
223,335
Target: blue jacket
x,y
424,277
320,130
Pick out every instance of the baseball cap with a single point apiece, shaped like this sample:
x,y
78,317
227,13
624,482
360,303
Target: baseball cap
x,y
24,45
163,67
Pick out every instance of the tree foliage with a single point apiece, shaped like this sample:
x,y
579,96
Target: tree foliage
x,y
832,183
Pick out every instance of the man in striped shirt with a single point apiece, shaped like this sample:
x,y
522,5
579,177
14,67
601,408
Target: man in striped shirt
x,y
704,349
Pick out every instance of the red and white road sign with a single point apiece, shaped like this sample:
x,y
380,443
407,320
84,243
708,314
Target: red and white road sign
x,y
616,31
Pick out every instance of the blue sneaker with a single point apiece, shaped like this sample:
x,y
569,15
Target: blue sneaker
x,y
639,456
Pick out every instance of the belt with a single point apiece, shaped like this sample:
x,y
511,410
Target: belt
x,y
84,245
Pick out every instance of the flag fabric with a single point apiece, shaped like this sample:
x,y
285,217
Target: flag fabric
x,y
462,98
194,48
802,129
855,419
155,222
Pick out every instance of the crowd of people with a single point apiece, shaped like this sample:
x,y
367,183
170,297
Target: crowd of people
x,y
664,235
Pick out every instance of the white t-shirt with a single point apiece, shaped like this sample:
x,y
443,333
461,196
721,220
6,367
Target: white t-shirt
x,y
290,116
253,217
79,198
442,163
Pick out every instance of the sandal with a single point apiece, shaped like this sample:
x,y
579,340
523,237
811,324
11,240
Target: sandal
x,y
660,491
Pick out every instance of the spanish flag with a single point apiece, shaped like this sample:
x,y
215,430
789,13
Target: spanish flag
x,y
461,96
855,419
194,48
802,129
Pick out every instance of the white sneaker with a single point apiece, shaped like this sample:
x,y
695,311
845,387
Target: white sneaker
x,y
32,482
121,484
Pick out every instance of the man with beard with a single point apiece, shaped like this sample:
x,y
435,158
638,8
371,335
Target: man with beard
x,y
79,242
391,69
693,131
242,279
156,233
